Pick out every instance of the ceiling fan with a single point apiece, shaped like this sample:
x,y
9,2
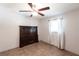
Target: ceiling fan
x,y
32,6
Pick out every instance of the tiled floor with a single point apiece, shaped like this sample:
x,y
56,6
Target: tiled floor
x,y
37,49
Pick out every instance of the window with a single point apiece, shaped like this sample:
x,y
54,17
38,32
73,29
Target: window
x,y
54,25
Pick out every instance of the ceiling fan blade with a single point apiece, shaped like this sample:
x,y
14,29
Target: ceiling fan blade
x,y
30,4
40,14
25,11
42,9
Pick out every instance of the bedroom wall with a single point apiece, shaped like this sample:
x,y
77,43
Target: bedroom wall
x,y
44,30
9,27
71,22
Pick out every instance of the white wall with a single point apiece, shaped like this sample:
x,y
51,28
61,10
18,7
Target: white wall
x,y
72,31
9,27
44,30
71,22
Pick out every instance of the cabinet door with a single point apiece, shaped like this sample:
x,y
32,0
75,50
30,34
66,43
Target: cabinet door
x,y
28,35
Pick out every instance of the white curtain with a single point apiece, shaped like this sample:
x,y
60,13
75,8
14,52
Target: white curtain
x,y
56,32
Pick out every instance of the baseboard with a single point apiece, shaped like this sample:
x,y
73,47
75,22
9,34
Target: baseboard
x,y
48,43
43,41
72,52
8,49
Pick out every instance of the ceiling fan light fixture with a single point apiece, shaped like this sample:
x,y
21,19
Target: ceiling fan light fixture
x,y
35,13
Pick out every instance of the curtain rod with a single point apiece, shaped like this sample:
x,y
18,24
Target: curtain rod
x,y
61,17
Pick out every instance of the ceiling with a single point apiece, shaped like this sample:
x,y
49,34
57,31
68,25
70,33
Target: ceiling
x,y
55,8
